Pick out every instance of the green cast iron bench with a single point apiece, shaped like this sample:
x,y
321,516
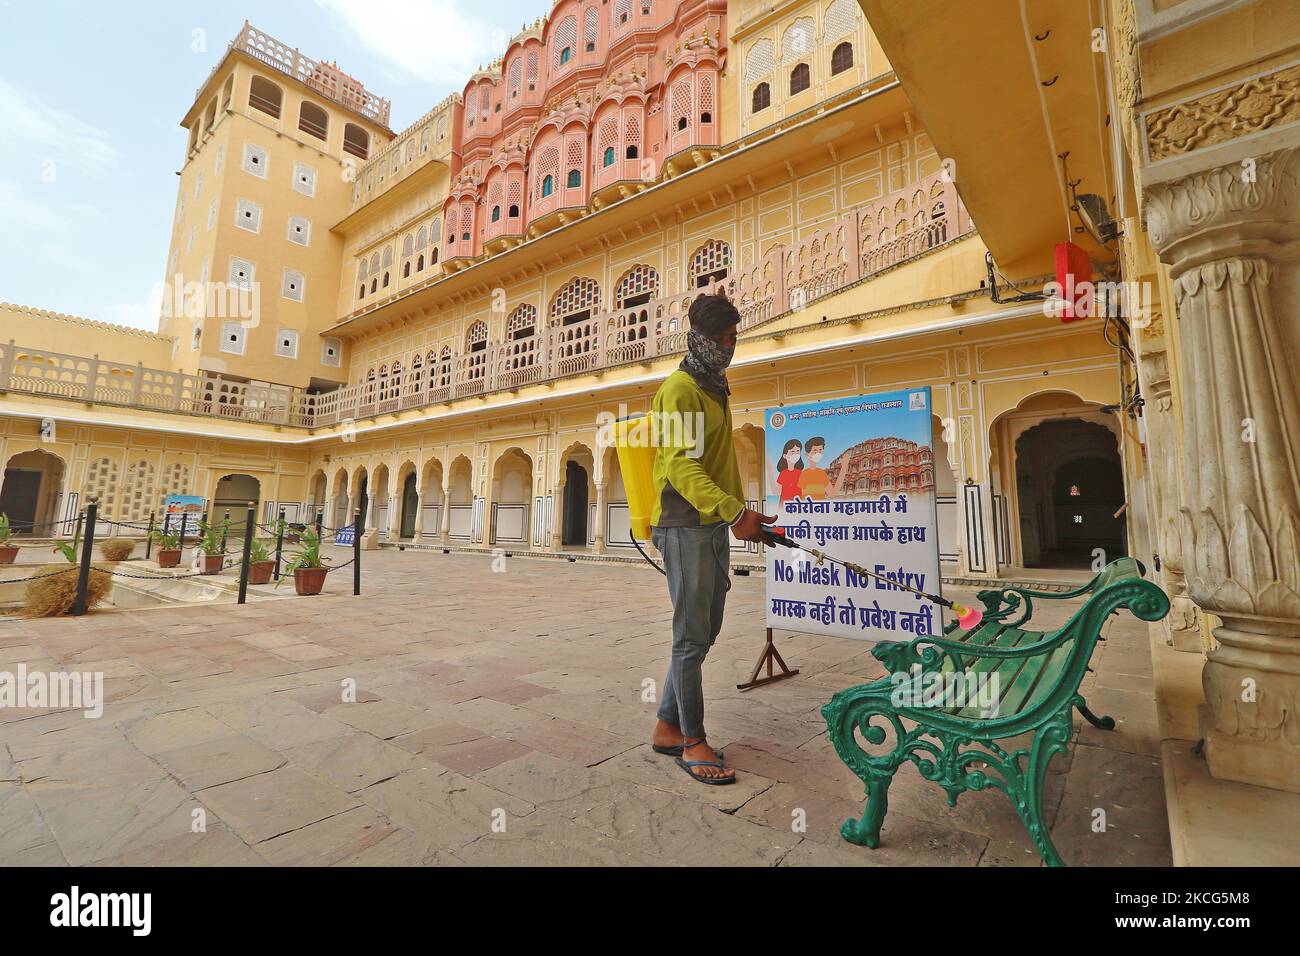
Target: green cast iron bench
x,y
1001,604
1036,676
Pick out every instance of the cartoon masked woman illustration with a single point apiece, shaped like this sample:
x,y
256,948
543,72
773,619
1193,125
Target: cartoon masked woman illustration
x,y
788,469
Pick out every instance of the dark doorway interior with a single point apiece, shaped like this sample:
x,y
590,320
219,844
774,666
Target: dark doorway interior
x,y
1070,483
19,498
363,500
575,504
410,505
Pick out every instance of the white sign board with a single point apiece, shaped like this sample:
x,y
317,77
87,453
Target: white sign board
x,y
854,477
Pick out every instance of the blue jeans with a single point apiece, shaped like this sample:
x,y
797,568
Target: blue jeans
x,y
697,562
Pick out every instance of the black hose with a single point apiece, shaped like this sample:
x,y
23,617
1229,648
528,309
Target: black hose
x,y
649,559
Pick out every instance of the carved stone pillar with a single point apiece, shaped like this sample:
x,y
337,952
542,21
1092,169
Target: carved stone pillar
x,y
445,532
1232,240
418,528
598,544
557,518
1164,478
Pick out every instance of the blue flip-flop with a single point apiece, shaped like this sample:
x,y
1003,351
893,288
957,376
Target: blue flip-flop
x,y
686,765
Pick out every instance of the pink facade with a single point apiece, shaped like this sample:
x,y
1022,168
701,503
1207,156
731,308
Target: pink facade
x,y
594,99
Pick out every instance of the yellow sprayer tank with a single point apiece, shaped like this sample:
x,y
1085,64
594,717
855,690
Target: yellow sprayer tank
x,y
634,442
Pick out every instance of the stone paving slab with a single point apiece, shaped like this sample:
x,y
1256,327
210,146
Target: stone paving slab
x,y
502,719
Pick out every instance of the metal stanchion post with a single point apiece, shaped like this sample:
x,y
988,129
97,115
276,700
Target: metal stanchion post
x,y
356,551
83,578
148,538
225,526
248,547
279,544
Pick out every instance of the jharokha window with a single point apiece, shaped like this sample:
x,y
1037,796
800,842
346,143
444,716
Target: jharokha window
x,y
800,79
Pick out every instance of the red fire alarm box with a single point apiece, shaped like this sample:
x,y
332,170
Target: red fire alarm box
x,y
1074,276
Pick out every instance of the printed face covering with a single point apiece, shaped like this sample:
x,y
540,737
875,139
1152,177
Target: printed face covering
x,y
706,361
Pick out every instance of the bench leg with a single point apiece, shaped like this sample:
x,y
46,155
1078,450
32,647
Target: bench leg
x,y
1050,740
866,832
1101,723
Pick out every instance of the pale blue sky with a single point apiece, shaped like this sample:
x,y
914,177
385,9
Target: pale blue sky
x,y
91,98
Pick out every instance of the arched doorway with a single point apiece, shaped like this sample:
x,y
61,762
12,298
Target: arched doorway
x,y
512,485
576,504
233,494
341,516
1069,485
410,504
460,499
382,505
432,499
31,491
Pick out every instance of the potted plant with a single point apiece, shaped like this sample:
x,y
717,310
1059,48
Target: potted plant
x,y
305,563
169,547
7,551
214,556
260,563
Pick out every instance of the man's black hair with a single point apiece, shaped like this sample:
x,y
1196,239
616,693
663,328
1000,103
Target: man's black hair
x,y
812,442
713,315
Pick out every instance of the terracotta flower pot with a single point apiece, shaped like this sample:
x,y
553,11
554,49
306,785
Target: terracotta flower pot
x,y
169,557
309,580
259,572
212,563
7,553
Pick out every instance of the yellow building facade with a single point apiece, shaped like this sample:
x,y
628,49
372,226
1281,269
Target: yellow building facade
x,y
431,326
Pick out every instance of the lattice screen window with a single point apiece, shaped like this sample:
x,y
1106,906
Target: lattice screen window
x,y
632,136
622,13
331,352
255,160
248,215
221,160
515,78
421,238
797,43
580,294
681,102
841,20
532,70
300,230
476,335
304,179
547,165
291,286
286,343
471,107
606,139
760,61
442,128
573,155
564,38
198,186
233,336
241,273
704,97
212,214
137,495
710,263
523,322
176,480
639,280
101,480
515,195
466,221
590,30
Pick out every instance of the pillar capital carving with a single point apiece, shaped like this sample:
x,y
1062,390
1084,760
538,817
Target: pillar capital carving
x,y
1234,209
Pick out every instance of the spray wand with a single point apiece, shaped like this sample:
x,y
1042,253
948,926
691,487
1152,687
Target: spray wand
x,y
967,617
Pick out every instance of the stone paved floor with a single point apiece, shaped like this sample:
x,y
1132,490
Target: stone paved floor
x,y
509,698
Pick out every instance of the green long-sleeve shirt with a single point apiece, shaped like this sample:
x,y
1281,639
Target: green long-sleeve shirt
x,y
694,485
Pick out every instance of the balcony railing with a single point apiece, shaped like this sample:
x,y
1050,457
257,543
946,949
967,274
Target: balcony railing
x,y
93,380
896,228
327,80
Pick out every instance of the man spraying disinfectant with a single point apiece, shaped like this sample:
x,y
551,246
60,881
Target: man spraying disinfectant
x,y
698,497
